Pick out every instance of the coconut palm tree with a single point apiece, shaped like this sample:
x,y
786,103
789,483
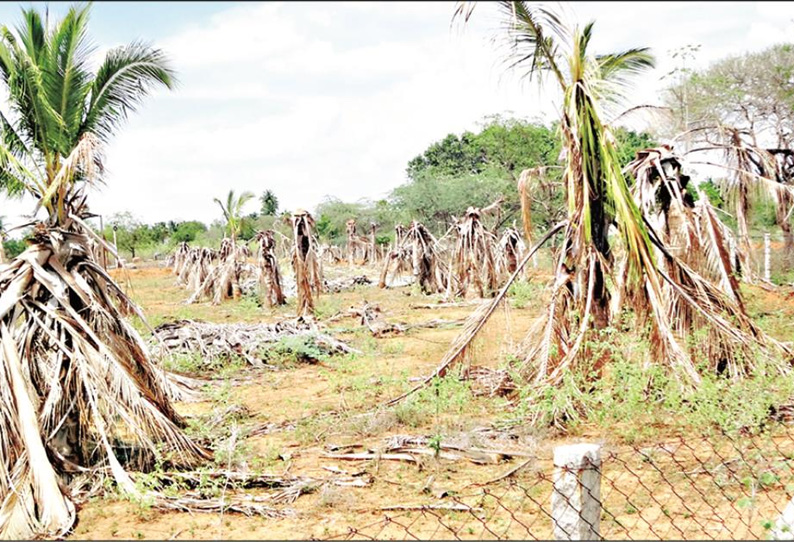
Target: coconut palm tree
x,y
590,288
269,203
75,376
233,211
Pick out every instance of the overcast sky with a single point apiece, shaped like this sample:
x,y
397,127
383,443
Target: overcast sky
x,y
332,99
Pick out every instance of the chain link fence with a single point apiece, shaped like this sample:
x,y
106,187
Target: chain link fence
x,y
717,487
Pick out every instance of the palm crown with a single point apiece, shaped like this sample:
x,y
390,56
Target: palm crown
x,y
233,211
60,112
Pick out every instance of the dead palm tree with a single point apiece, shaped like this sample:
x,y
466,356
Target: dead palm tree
x,y
73,371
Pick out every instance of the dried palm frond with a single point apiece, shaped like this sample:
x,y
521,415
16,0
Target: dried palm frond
x,y
416,249
398,260
269,274
357,246
305,262
222,342
754,174
180,257
372,250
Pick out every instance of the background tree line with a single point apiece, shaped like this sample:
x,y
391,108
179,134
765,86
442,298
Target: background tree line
x,y
751,92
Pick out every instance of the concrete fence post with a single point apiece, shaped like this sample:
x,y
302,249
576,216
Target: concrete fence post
x,y
576,498
767,255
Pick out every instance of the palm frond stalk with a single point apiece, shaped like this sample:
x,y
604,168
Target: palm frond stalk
x,y
269,274
76,379
305,262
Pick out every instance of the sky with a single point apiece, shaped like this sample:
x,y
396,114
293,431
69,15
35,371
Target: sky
x,y
332,99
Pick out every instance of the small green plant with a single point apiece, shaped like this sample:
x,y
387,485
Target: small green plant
x,y
293,349
521,292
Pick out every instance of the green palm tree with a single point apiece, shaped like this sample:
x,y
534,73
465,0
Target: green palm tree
x,y
60,313
233,211
269,203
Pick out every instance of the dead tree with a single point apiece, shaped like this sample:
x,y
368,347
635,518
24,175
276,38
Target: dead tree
x,y
511,247
415,249
473,258
305,262
373,244
269,275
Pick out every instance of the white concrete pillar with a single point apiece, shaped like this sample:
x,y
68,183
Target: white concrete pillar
x,y
576,499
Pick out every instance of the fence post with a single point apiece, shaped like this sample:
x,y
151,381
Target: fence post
x,y
576,499
767,252
784,526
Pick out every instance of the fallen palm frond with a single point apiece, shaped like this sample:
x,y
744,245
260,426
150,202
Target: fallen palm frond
x,y
336,286
284,490
305,262
473,260
269,274
411,449
488,382
372,318
251,342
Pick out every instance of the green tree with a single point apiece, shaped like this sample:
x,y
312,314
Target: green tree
x,y
187,231
131,234
233,211
269,203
